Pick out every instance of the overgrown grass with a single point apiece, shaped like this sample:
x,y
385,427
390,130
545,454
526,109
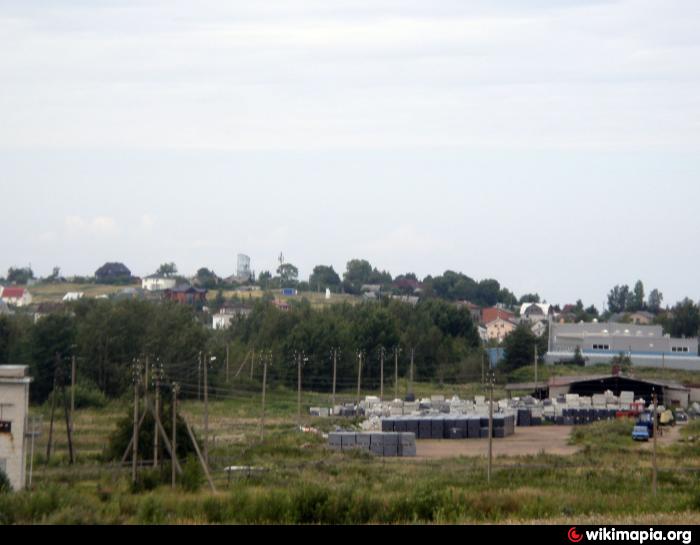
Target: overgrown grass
x,y
304,482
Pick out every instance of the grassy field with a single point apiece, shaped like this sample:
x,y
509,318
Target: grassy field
x,y
54,292
608,481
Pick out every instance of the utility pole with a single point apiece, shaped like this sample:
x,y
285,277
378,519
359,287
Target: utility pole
x,y
173,452
72,392
381,373
410,375
53,409
135,445
483,358
654,430
227,370
335,370
206,409
536,377
264,386
69,426
301,359
252,363
157,374
492,379
396,372
199,376
359,375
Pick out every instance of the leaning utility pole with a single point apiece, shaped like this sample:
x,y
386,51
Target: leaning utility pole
x,y
492,379
199,376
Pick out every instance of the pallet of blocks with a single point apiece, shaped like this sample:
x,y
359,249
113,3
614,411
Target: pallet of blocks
x,y
386,444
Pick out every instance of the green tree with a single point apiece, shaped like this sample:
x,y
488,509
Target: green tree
x,y
636,298
655,300
206,278
519,348
530,298
20,275
167,269
289,275
618,299
357,273
685,321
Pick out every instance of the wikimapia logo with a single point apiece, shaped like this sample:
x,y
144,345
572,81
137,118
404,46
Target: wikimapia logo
x,y
635,536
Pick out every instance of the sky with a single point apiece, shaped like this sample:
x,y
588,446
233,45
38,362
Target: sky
x,y
551,144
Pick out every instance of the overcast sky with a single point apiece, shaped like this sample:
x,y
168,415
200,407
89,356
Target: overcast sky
x,y
551,144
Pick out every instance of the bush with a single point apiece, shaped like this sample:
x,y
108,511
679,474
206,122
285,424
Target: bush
x,y
87,395
5,485
192,475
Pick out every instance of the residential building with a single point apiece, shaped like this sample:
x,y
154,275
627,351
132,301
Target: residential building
x,y
186,295
157,282
14,407
639,318
535,312
226,315
4,309
492,313
499,329
646,345
474,310
16,296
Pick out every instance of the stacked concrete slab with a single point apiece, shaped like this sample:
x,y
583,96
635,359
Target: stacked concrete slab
x,y
389,444
450,426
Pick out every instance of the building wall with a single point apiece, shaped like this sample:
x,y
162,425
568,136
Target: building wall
x,y
14,397
156,284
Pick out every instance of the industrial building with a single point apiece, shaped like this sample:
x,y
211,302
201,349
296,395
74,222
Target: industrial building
x,y
14,406
646,345
668,393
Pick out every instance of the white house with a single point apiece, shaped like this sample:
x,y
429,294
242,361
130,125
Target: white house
x,y
14,406
19,297
158,283
73,296
535,312
499,329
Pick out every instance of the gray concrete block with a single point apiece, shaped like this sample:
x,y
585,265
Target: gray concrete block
x,y
363,440
391,450
349,439
376,439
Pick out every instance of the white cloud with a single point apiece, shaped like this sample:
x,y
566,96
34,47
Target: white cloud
x,y
98,226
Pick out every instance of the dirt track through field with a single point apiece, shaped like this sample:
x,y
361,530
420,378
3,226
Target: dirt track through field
x,y
525,441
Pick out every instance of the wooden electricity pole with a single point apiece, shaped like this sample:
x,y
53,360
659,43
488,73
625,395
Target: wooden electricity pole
x,y
536,377
173,452
492,379
381,374
654,431
410,376
227,370
300,358
72,392
206,408
264,386
135,445
335,370
53,409
199,376
359,376
396,372
252,364
156,416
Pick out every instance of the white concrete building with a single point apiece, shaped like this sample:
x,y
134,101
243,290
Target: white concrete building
x,y
158,283
14,407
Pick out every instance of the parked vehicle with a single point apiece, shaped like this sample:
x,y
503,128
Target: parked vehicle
x,y
640,433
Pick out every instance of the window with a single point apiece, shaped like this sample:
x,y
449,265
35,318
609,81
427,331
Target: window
x,y
3,465
5,426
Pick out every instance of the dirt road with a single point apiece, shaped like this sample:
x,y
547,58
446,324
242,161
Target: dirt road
x,y
531,440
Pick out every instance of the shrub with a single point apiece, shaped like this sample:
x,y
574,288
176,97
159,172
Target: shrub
x,y
192,475
5,485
